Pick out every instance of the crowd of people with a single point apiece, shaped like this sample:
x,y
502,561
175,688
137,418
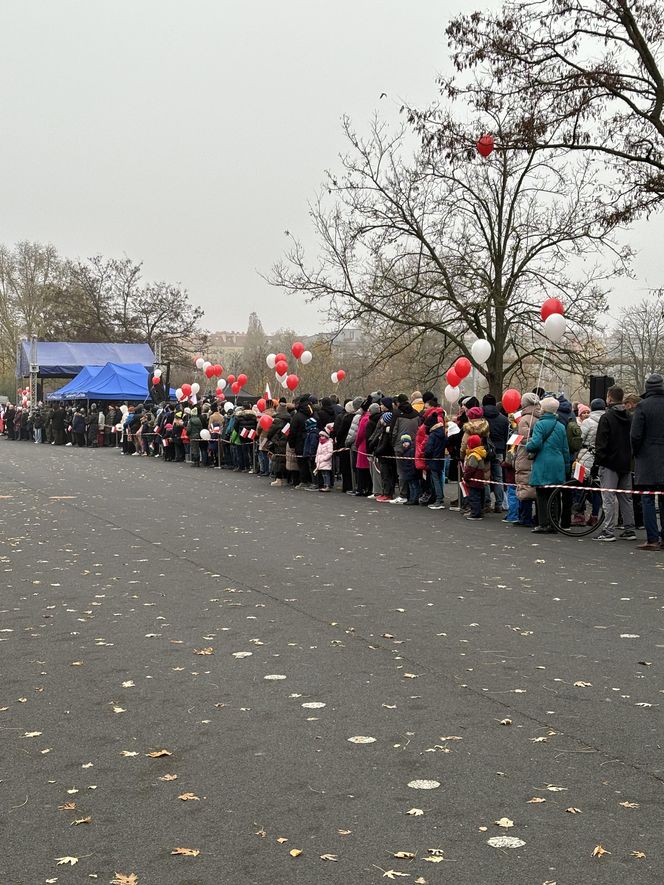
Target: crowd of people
x,y
406,449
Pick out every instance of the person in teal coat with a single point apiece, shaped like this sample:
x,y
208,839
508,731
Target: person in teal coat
x,y
551,465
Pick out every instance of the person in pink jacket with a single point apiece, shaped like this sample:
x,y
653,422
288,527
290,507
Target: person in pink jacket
x,y
363,468
324,454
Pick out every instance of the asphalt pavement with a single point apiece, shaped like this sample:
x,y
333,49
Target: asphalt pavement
x,y
301,690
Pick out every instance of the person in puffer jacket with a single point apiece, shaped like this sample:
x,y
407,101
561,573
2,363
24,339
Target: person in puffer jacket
x,y
434,454
474,467
324,455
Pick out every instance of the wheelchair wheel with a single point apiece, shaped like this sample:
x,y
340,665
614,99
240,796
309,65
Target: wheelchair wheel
x,y
571,510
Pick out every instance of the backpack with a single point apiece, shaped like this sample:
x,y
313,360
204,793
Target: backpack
x,y
310,438
491,454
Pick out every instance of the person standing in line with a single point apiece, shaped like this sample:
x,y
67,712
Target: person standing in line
x,y
551,465
613,456
647,436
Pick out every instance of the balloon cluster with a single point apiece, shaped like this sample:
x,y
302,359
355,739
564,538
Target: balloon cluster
x,y
24,393
553,317
454,376
156,378
279,362
337,376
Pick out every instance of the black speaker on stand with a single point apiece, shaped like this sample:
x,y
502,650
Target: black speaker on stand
x,y
599,384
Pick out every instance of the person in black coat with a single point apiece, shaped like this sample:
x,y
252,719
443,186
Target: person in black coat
x,y
297,436
342,425
647,436
58,425
499,431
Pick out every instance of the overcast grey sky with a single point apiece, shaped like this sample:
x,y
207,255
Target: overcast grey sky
x,y
192,134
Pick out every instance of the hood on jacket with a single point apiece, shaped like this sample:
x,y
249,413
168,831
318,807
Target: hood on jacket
x,y
407,411
619,412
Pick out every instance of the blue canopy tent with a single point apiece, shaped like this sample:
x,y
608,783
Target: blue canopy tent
x,y
65,359
114,381
75,389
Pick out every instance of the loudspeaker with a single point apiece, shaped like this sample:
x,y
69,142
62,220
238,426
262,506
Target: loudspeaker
x,y
599,384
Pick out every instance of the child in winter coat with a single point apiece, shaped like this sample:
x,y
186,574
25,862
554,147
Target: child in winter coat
x,y
324,455
474,467
434,453
407,470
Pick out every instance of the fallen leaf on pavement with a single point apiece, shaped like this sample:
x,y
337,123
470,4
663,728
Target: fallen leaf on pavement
x,y
295,852
505,721
81,820
599,850
404,855
66,860
362,739
157,754
331,857
32,734
122,879
573,810
536,800
629,804
189,796
282,839
186,852
582,684
504,822
344,832
129,753
168,777
204,651
68,806
415,812
394,874
639,855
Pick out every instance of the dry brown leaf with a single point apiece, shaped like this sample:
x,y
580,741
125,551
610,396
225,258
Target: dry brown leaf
x,y
168,777
63,861
129,753
295,852
68,806
505,721
639,855
599,850
436,858
536,800
81,820
404,855
331,857
204,651
282,839
157,754
538,740
186,852
344,832
125,879
186,797
415,812
582,684
260,833
504,822
573,810
629,804
394,874
421,881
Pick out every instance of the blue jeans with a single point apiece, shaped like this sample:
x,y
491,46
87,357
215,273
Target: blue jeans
x,y
475,497
413,489
653,534
497,479
512,505
263,463
437,483
526,512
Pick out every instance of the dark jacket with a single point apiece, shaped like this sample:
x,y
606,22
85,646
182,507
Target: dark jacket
x,y
325,414
374,433
648,440
341,427
612,442
405,420
58,419
499,428
78,423
434,450
276,441
297,433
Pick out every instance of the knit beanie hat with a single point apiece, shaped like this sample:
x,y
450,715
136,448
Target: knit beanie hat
x,y
488,399
654,382
388,402
416,394
474,441
529,399
597,405
427,396
374,409
386,417
471,402
402,398
550,404
475,413
357,402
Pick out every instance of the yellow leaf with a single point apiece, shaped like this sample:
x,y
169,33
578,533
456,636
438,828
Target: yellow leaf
x,y
295,852
331,857
186,852
281,840
168,777
188,796
344,832
639,855
573,810
629,804
394,874
66,860
81,820
536,800
157,754
598,851
77,663
404,855
68,806
122,879
435,859
504,822
204,651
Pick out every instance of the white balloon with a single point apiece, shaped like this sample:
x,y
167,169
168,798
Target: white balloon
x,y
452,394
221,383
228,407
200,362
178,393
281,378
306,357
283,383
195,387
206,365
205,434
481,350
334,378
555,326
157,373
271,360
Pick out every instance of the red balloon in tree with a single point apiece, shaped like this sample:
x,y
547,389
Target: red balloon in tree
x,y
511,400
281,367
551,306
242,379
452,377
462,367
209,372
292,381
230,379
485,145
341,374
261,404
297,349
186,389
218,370
236,387
280,357
265,421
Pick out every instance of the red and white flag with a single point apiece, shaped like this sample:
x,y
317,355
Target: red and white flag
x,y
285,429
579,471
515,439
517,415
251,433
268,395
464,488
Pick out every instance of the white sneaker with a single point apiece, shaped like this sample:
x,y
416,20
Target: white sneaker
x,y
398,500
68,444
371,497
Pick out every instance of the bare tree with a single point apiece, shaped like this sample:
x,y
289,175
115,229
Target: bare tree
x,y
636,346
445,244
585,75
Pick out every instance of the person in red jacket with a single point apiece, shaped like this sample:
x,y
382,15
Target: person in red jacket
x,y
474,466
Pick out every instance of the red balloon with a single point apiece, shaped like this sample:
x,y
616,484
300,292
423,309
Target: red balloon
x,y
485,145
452,377
242,380
261,405
236,387
511,400
292,381
230,379
462,367
281,367
209,372
265,421
551,306
221,397
186,389
298,349
220,392
280,356
341,374
155,380
218,370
